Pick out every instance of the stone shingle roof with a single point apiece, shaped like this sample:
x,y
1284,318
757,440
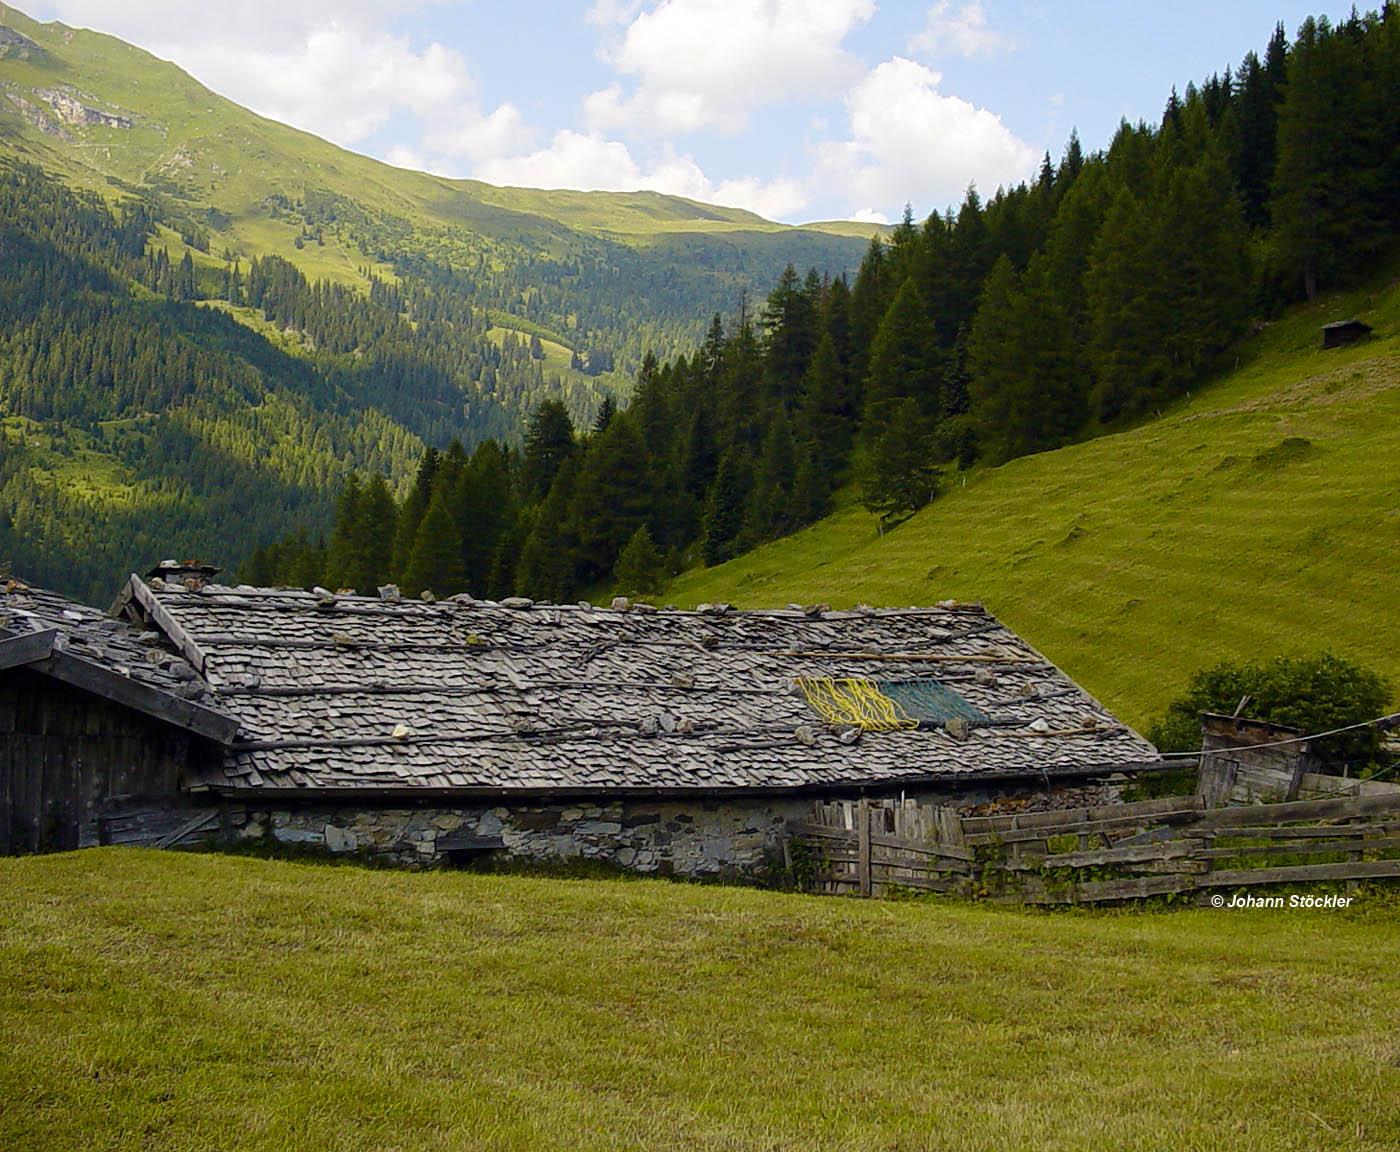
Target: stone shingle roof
x,y
100,653
350,692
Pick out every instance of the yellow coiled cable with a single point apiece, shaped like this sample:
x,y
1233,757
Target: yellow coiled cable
x,y
858,702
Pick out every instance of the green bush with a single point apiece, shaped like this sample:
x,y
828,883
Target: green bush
x,y
1313,693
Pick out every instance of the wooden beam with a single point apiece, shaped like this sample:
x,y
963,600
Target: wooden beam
x,y
1303,848
863,845
922,847
167,623
170,839
145,698
1298,810
28,649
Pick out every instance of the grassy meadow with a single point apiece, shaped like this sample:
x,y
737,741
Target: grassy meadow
x,y
1258,517
201,1002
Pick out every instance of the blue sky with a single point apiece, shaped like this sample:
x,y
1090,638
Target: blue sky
x,y
797,109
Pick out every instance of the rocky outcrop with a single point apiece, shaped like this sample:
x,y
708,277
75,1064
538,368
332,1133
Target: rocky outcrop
x,y
13,46
67,107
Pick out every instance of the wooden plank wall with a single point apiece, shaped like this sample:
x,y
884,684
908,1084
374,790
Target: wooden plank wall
x,y
70,761
1112,852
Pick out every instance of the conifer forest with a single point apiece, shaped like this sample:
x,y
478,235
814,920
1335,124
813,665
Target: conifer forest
x,y
1050,312
555,420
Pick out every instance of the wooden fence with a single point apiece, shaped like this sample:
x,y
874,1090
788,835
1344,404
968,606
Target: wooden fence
x,y
1089,855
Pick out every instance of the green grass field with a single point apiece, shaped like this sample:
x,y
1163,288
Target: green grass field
x,y
181,1001
1258,517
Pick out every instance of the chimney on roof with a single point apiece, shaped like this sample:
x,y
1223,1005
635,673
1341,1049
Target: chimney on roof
x,y
192,574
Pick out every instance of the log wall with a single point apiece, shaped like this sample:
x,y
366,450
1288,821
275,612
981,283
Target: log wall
x,y
77,770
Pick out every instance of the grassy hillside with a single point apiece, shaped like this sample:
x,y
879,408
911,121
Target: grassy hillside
x,y
181,139
1257,517
205,1002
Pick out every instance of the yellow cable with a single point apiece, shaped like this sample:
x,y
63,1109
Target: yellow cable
x,y
852,701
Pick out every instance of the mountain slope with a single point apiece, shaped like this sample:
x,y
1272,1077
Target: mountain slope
x,y
392,308
1259,516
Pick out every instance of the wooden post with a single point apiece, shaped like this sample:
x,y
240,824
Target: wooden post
x,y
863,846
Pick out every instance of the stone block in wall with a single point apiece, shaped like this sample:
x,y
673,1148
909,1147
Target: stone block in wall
x,y
341,839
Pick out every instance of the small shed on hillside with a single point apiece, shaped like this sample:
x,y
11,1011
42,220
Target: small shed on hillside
x,y
1247,761
1341,332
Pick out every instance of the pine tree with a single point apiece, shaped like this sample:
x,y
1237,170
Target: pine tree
x,y
606,411
769,511
897,473
1327,183
549,441
825,415
1027,381
347,537
640,569
483,507
380,520
414,507
545,569
436,559
790,336
612,495
900,363
724,511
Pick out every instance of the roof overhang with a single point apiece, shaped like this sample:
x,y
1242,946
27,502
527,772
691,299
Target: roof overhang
x,y
338,796
43,652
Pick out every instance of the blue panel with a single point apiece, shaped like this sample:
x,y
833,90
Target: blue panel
x,y
930,700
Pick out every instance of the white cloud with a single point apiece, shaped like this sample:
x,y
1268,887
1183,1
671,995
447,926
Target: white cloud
x,y
594,163
910,142
613,11
475,137
962,31
708,63
340,82
572,160
869,216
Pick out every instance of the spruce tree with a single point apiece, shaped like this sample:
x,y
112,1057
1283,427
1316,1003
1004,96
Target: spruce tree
x,y
1027,381
900,363
612,495
724,510
436,559
825,412
482,505
549,441
545,570
414,507
1328,194
897,472
769,512
790,336
640,569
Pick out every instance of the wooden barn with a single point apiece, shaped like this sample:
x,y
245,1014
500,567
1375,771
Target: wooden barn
x,y
656,739
100,727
